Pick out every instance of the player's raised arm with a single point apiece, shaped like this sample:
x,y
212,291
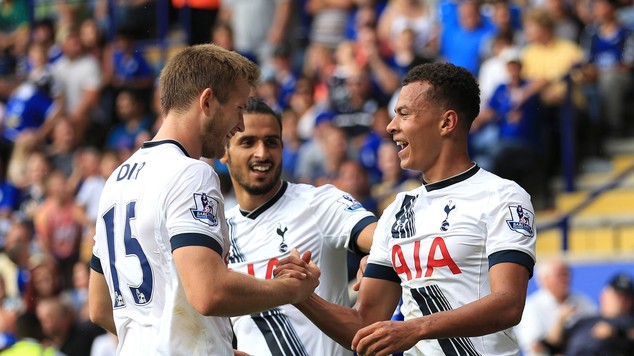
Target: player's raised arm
x,y
212,289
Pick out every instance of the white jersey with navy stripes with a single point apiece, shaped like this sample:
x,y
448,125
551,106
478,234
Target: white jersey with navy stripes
x,y
439,241
158,200
300,216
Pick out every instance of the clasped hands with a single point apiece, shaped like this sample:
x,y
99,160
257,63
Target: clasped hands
x,y
302,271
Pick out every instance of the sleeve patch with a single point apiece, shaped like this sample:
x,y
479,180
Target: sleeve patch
x,y
206,209
521,221
351,203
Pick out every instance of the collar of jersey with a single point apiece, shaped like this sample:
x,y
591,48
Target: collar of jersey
x,y
262,208
150,144
453,179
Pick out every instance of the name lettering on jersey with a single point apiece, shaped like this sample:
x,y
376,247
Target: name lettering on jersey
x,y
438,256
129,172
404,226
206,209
522,220
351,203
445,224
281,232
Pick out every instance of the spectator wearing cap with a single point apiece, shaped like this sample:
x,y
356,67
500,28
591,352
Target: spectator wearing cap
x,y
611,332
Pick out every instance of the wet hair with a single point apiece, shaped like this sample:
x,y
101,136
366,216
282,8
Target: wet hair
x,y
257,105
452,87
198,67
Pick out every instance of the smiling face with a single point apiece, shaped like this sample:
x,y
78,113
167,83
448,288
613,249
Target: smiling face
x,y
254,156
226,119
416,128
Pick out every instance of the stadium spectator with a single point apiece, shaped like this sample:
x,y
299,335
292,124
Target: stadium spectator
x,y
133,121
543,306
29,338
79,76
62,328
58,230
609,48
549,77
472,34
413,15
611,332
258,27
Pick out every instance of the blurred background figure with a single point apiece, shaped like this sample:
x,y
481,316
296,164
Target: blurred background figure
x,y
610,332
544,306
29,338
258,27
63,330
609,48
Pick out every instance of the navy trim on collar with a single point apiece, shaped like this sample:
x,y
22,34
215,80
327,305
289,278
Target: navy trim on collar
x,y
452,180
262,208
150,144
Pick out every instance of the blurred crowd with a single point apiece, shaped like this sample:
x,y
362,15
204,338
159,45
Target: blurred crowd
x,y
78,95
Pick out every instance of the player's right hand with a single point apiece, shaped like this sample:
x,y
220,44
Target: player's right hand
x,y
300,273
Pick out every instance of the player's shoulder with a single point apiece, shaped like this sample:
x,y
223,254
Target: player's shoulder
x,y
318,194
233,212
497,184
304,190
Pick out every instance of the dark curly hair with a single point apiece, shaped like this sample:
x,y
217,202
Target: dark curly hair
x,y
452,87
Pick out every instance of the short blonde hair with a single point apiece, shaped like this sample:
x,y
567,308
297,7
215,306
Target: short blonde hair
x,y
198,67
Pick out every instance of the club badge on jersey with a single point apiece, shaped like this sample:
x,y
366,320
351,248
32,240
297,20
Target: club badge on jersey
x,y
281,232
521,220
206,209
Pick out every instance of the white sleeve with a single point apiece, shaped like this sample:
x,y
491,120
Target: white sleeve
x,y
337,213
194,204
511,221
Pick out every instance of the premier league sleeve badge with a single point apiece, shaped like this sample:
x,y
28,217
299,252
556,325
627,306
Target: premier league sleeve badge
x,y
206,209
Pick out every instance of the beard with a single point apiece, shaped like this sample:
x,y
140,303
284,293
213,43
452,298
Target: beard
x,y
253,189
259,187
213,140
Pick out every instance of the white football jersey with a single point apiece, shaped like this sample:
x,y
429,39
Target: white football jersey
x,y
440,240
305,217
158,200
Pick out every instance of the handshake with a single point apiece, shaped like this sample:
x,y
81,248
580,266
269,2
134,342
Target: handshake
x,y
299,274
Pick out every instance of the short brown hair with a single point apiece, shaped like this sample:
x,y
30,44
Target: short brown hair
x,y
541,18
198,67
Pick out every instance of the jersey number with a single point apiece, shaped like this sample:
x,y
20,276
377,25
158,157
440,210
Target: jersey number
x,y
142,292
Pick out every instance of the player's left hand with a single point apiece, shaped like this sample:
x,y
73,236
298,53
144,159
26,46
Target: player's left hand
x,y
384,338
362,265
240,353
296,266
